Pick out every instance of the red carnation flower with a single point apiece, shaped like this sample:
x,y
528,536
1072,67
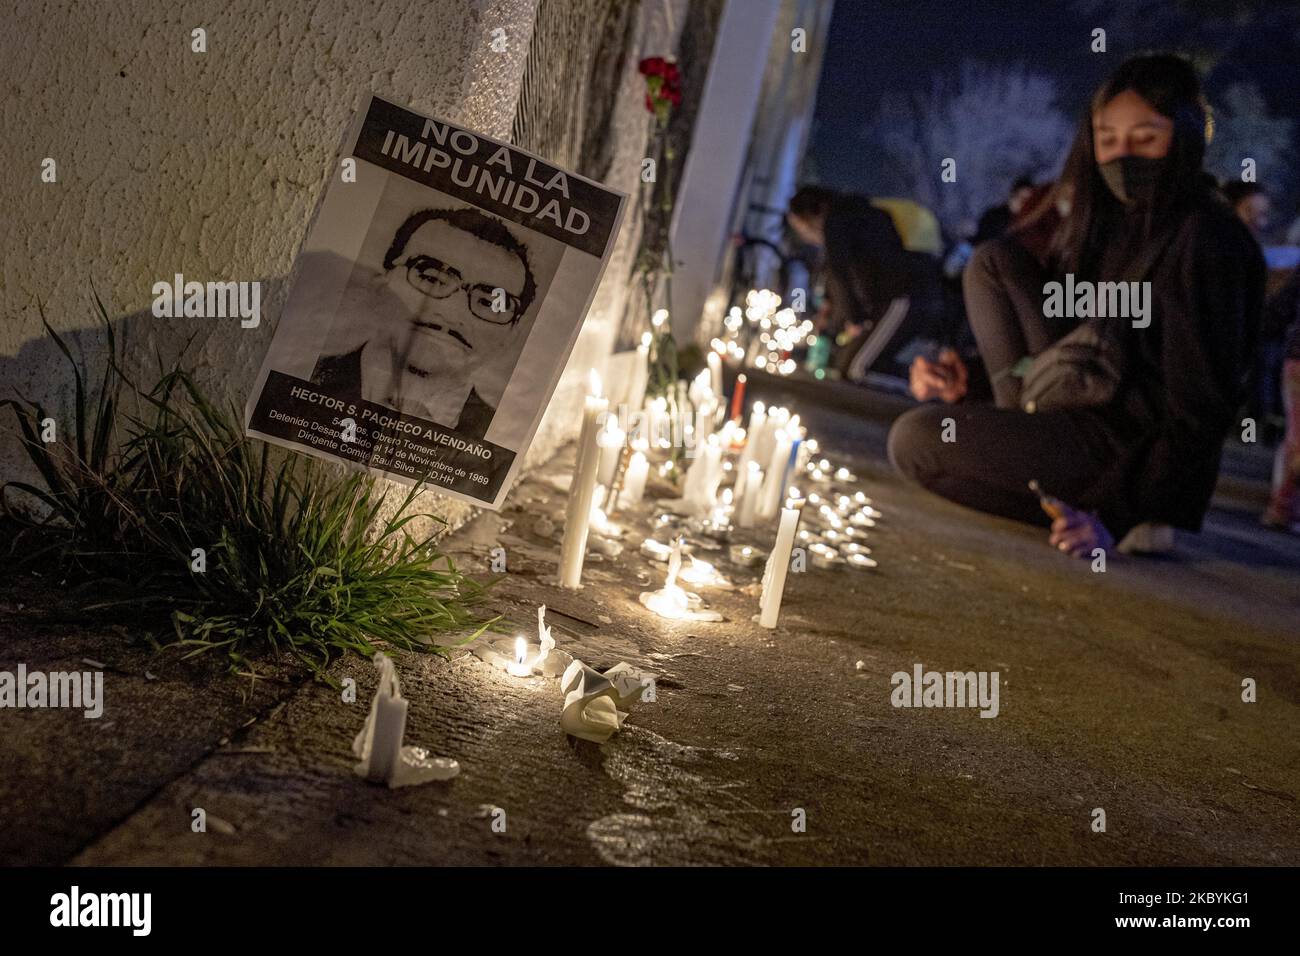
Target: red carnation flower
x,y
653,66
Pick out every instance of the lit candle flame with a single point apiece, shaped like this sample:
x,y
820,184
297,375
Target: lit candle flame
x,y
521,649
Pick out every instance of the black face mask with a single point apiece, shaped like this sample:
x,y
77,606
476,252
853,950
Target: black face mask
x,y
1132,179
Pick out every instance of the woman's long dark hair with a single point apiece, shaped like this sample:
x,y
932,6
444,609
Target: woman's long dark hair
x,y
1169,84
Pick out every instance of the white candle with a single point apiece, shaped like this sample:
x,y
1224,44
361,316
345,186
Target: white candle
x,y
757,419
701,389
704,422
386,744
823,556
777,567
611,441
518,667
773,484
700,487
658,425
727,434
578,516
704,402
777,419
743,473
745,556
634,479
747,510
715,371
640,375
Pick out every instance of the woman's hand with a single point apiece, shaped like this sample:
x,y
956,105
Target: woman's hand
x,y
945,379
1078,533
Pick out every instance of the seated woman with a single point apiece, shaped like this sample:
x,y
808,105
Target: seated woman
x,y
1139,209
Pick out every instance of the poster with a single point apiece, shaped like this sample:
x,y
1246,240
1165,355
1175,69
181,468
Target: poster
x,y
439,293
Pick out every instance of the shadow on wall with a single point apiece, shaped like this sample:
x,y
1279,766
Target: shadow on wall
x,y
223,357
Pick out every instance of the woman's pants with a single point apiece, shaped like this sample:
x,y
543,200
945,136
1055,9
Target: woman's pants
x,y
984,457
1003,289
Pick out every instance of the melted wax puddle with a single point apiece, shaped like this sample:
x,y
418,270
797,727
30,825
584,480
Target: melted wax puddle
x,y
679,822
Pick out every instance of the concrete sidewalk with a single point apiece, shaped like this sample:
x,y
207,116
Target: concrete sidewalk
x,y
1119,691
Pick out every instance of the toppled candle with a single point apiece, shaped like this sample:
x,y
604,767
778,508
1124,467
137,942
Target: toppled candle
x,y
674,602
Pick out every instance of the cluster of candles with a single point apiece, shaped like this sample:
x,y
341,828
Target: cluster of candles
x,y
763,460
763,334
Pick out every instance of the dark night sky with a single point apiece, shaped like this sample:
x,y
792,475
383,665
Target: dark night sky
x,y
877,46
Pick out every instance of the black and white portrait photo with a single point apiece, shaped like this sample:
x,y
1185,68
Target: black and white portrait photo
x,y
436,311
434,305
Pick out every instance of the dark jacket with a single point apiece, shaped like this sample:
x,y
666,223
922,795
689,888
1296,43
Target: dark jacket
x,y
862,247
1185,375
341,374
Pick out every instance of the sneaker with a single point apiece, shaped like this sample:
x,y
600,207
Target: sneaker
x,y
1148,538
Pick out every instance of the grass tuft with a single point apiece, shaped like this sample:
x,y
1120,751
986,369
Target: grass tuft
x,y
299,556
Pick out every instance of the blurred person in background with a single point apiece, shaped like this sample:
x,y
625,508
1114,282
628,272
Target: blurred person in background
x,y
1251,204
880,296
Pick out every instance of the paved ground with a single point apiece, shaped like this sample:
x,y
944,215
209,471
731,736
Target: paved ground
x,y
1119,690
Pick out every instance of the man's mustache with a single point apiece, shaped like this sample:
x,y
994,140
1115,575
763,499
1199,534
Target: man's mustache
x,y
442,328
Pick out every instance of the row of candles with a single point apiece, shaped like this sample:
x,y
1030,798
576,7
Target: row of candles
x,y
765,455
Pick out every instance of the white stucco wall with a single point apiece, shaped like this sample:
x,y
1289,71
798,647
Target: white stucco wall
x,y
211,164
